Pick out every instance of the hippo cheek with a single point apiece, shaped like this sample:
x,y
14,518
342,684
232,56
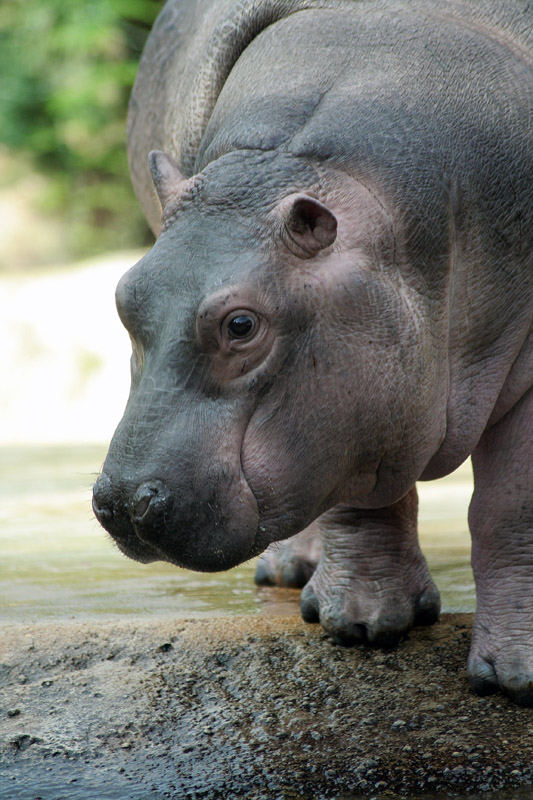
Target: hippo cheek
x,y
275,472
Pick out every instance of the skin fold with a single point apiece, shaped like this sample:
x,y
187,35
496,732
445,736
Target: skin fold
x,y
338,304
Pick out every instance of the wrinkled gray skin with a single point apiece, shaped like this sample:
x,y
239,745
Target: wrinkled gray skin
x,y
352,181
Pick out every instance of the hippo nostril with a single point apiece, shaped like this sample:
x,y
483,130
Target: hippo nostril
x,y
140,506
147,500
101,513
103,499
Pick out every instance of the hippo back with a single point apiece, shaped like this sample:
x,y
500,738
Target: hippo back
x,y
194,46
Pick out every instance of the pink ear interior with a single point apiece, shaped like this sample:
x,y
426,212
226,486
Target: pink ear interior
x,y
308,225
166,176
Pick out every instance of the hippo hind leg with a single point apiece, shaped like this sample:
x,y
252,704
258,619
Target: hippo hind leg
x,y
372,582
501,522
290,562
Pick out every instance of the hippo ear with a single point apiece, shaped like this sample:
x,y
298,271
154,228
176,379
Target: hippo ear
x,y
166,176
307,225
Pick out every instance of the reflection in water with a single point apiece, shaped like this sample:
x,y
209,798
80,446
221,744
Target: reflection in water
x,y
58,563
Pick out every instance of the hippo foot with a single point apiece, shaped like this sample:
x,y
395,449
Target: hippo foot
x,y
355,610
501,662
292,562
372,583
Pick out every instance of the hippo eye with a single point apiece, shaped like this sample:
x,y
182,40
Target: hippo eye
x,y
241,326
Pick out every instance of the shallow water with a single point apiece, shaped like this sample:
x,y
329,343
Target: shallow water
x,y
58,563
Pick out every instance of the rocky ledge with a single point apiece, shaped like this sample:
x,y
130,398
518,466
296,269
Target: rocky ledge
x,y
249,707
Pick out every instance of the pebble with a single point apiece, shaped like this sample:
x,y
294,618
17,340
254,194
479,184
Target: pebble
x,y
398,724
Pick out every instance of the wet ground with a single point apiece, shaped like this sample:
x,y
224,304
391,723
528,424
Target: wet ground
x,y
254,707
129,682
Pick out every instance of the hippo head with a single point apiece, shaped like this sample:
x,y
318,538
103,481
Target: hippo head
x,y
259,345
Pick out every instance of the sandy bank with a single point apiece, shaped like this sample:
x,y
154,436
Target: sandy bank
x,y
248,707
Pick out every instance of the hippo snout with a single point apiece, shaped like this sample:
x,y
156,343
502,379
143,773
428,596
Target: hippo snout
x,y
116,515
152,520
151,501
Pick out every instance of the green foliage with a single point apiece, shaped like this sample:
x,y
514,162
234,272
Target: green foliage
x,y
67,70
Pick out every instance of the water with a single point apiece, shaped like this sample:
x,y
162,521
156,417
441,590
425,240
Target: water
x,y
57,563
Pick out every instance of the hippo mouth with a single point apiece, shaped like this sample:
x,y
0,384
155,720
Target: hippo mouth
x,y
205,535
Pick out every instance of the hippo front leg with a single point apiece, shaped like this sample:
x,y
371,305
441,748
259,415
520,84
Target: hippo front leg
x,y
501,522
372,582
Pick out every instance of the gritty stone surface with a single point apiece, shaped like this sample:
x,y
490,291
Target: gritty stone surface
x,y
249,707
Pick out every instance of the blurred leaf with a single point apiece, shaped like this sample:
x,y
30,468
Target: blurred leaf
x,y
67,70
